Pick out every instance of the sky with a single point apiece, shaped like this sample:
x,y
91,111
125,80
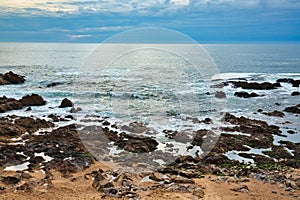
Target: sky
x,y
206,21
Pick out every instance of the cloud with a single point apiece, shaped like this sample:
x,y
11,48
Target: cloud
x,y
76,37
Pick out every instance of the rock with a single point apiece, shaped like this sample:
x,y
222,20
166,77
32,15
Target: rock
x,y
274,114
53,117
31,125
220,94
33,100
255,85
11,78
242,188
7,104
75,110
66,103
295,83
136,144
295,93
183,180
156,176
10,180
53,84
293,109
246,94
291,132
28,109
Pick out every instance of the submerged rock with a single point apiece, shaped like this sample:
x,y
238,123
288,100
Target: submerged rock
x,y
246,94
220,94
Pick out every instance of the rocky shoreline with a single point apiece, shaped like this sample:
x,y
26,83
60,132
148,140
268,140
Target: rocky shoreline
x,y
31,145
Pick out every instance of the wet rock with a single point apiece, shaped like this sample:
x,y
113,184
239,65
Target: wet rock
x,y
28,109
137,127
66,103
75,110
291,132
11,78
31,125
53,84
278,152
7,104
136,144
293,109
295,93
219,85
54,118
246,94
275,113
33,100
220,94
255,85
9,129
295,83
242,188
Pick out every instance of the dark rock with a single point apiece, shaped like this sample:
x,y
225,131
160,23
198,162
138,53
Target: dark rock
x,y
293,109
295,83
291,132
220,94
53,117
255,85
66,103
136,144
295,93
75,110
7,104
274,114
246,94
10,180
53,84
33,100
11,78
28,109
31,125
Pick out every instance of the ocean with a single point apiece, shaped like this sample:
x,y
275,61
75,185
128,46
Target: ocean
x,y
153,86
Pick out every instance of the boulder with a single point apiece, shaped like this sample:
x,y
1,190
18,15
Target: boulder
x,y
33,100
66,103
11,78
